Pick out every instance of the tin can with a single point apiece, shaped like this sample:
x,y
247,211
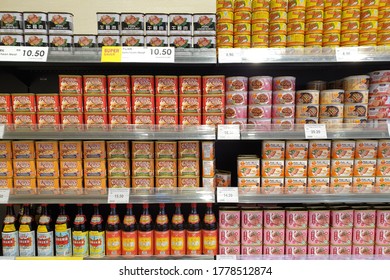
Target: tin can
x,y
118,182
296,168
167,119
307,111
47,102
35,22
204,42
263,97
314,15
294,28
355,111
95,103
340,184
190,84
181,42
349,39
242,41
284,83
242,17
143,103
60,23
296,15
260,40
156,24
272,185
23,102
190,119
24,119
306,120
204,24
71,103
180,24
190,103
36,40
71,118
108,23
369,14
48,119
11,23
384,27
70,84
295,40
213,104
142,168
242,28
365,167
379,100
331,97
314,27
283,111
225,4
236,98
272,168
225,16
95,84
278,28
278,16
5,103
352,26
213,119
331,111
25,185
132,41
118,103
142,84
225,41
167,104
260,5
117,149
225,28
307,97
188,182
368,39
332,15
132,23
383,39
319,219
259,111
295,185
142,150
313,39
363,184
166,182
283,97
331,39
260,28
278,5
260,16
157,41
384,14
356,82
95,118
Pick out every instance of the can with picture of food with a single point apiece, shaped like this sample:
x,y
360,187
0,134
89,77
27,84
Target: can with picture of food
x,y
260,41
278,16
284,83
355,110
277,28
260,28
259,111
352,26
340,185
295,185
307,97
11,23
349,39
333,96
360,82
283,97
296,28
242,41
307,111
331,111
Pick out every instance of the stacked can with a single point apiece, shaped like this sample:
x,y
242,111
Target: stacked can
x,y
341,231
188,164
278,23
260,23
47,166
296,167
119,99
225,15
297,220
142,161
213,109
251,232
5,109
167,100
331,106
383,38
71,99
236,100
242,24
248,172
350,23
296,23
208,164
283,99
142,99
48,108
363,231
356,99
190,100
379,96
382,181
23,109
95,100
314,24
307,108
318,234
319,167
229,231
24,170
272,167
118,164
71,166
6,165
332,23
365,166
260,100
382,235
369,23
341,167
166,164
95,170
274,231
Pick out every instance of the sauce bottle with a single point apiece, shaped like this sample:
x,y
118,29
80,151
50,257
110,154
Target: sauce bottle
x,y
145,233
45,233
10,234
129,233
162,234
113,233
63,234
27,247
80,234
96,234
210,232
194,235
178,233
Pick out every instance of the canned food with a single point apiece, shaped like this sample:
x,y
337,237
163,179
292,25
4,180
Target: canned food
x,y
166,182
190,103
259,111
5,103
283,97
142,183
278,16
213,119
260,5
156,24
242,17
382,185
95,118
71,118
370,3
236,98
383,39
364,167
132,41
265,123
278,5
356,120
295,40
273,168
95,84
296,168
190,119
331,111
60,23
119,103
225,40
260,40
180,24
295,185
225,4
278,28
285,123
384,27
331,96
225,16
273,150
356,82
213,84
332,29
237,83
369,14
182,42
23,102
142,167
272,185
157,41
379,88
332,15
306,111
188,182
307,96
260,16
363,184
204,42
356,96
260,28
117,182
95,103
313,39
295,28
71,103
352,26
11,22
366,149
248,167
132,23
36,40
234,112
273,250
314,27
295,238
24,119
225,28
242,41
379,100
314,15
143,103
46,119
384,14
11,40
349,39
108,23
296,15
167,119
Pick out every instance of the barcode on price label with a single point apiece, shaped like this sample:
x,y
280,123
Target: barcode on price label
x,y
228,132
315,131
227,195
347,54
118,195
4,195
229,55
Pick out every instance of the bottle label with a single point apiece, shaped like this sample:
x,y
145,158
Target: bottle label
x,y
177,219
162,220
80,243
145,243
79,220
193,219
9,228
63,241
209,219
96,244
194,244
25,220
113,243
178,239
129,220
129,243
113,220
62,219
210,242
9,219
96,220
10,242
27,244
162,242
44,220
45,241
145,219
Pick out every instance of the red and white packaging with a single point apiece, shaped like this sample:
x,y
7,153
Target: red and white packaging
x,y
166,85
319,219
274,236
363,236
229,236
251,219
340,250
283,111
236,98
190,104
46,102
342,218
273,250
382,236
5,103
383,218
284,83
364,218
296,219
143,104
167,119
190,85
259,111
260,83
317,250
294,250
71,118
95,84
236,112
95,118
361,250
213,84
118,84
229,250
341,236
318,236
263,97
119,103
229,219
24,118
48,119
142,118
213,119
283,97
213,104
6,118
274,218
382,250
251,250
70,84
379,88
167,104
142,84
238,83
296,237
251,236
23,102
190,119
95,103
71,103
379,112
119,119
382,76
382,100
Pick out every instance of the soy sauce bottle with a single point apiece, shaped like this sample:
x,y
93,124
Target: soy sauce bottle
x,y
10,233
80,234
194,234
178,232
63,234
113,233
96,234
210,232
162,233
45,233
145,233
27,228
129,233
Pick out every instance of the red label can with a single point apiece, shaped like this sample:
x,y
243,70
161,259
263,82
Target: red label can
x,y
143,118
166,85
167,119
95,118
214,104
167,104
142,84
6,118
190,103
213,84
118,84
95,84
71,103
5,103
47,102
190,119
23,102
24,118
71,118
95,103
70,84
143,103
119,103
117,118
213,119
48,119
190,85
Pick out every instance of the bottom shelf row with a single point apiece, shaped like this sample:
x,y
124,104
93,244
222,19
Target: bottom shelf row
x,y
193,230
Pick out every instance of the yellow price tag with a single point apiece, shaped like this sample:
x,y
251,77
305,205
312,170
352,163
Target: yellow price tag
x,y
111,54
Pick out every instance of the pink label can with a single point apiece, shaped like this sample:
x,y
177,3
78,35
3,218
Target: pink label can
x,y
251,250
317,250
383,218
364,218
252,219
342,218
363,250
340,250
341,236
382,237
260,83
259,111
236,112
284,83
296,236
229,236
319,218
283,111
283,97
318,236
251,236
229,250
274,218
263,97
274,236
273,250
363,236
229,219
296,250
382,250
297,219
237,83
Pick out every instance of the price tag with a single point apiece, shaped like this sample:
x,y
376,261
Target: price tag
x,y
233,55
4,195
228,132
29,54
315,131
347,54
2,128
111,54
227,194
149,54
118,195
226,257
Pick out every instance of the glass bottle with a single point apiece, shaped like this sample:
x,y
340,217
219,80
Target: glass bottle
x,y
113,233
97,246
210,232
162,233
194,235
45,233
27,227
129,233
80,234
10,233
145,233
178,232
63,233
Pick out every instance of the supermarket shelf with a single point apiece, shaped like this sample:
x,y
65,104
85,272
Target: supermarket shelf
x,y
195,195
304,55
108,132
198,257
312,257
334,131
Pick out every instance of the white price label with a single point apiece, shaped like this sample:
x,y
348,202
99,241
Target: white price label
x,y
226,257
315,131
4,195
29,54
149,54
118,195
347,54
227,194
2,128
228,132
229,55
388,126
